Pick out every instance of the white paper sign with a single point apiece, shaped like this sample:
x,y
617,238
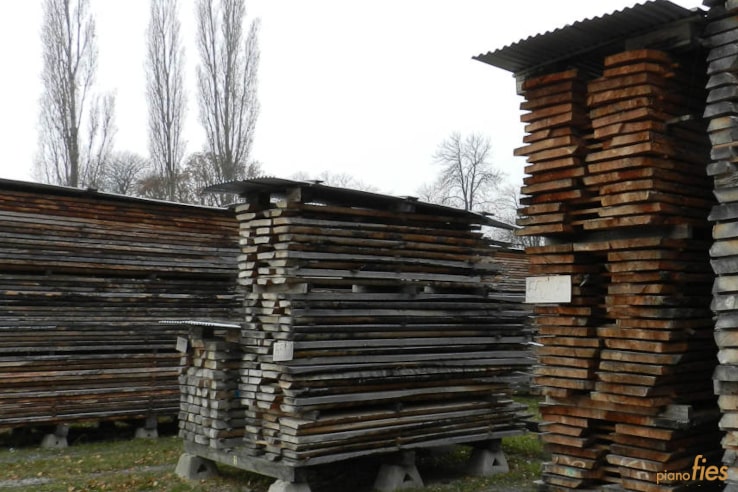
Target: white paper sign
x,y
182,345
283,351
549,289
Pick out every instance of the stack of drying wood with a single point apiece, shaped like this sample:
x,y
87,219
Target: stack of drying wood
x,y
556,123
624,363
399,337
211,413
371,329
721,35
86,279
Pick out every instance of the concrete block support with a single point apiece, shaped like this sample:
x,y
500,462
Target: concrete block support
x,y
282,486
192,467
149,430
398,475
488,460
57,439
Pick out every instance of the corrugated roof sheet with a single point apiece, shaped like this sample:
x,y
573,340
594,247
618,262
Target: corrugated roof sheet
x,y
316,191
50,189
585,42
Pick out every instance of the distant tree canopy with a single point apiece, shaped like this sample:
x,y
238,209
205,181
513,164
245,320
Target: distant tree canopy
x,y
200,173
125,172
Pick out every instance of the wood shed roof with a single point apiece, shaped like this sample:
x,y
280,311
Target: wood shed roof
x,y
583,44
319,192
57,190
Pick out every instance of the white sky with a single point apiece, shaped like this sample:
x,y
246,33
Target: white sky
x,y
363,87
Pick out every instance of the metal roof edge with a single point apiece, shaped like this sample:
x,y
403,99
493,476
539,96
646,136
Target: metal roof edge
x,y
274,185
572,40
32,186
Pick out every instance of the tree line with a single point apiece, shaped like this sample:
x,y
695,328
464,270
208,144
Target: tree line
x,y
77,124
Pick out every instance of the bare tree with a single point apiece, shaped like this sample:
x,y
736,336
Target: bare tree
x,y
199,173
227,85
101,129
507,206
152,184
434,192
468,178
125,171
69,64
165,92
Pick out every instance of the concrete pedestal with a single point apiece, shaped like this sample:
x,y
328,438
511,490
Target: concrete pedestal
x,y
282,486
57,439
192,467
400,474
488,460
149,430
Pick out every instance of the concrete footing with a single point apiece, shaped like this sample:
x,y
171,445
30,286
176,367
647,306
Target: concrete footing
x,y
400,474
282,486
149,430
57,439
488,460
192,467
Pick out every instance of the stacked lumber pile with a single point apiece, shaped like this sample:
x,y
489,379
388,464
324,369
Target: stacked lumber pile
x,y
623,364
556,125
211,413
371,327
721,35
513,264
86,279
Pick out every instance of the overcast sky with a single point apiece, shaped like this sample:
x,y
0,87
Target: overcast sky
x,y
363,87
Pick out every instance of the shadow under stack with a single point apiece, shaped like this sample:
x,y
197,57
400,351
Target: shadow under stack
x,y
373,324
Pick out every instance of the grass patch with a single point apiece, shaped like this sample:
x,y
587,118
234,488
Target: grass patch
x,y
524,456
123,464
115,465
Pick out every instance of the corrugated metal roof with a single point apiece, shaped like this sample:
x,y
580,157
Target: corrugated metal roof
x,y
316,191
50,189
584,43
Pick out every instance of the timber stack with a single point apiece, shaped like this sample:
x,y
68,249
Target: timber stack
x,y
616,180
373,324
211,413
721,112
86,278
